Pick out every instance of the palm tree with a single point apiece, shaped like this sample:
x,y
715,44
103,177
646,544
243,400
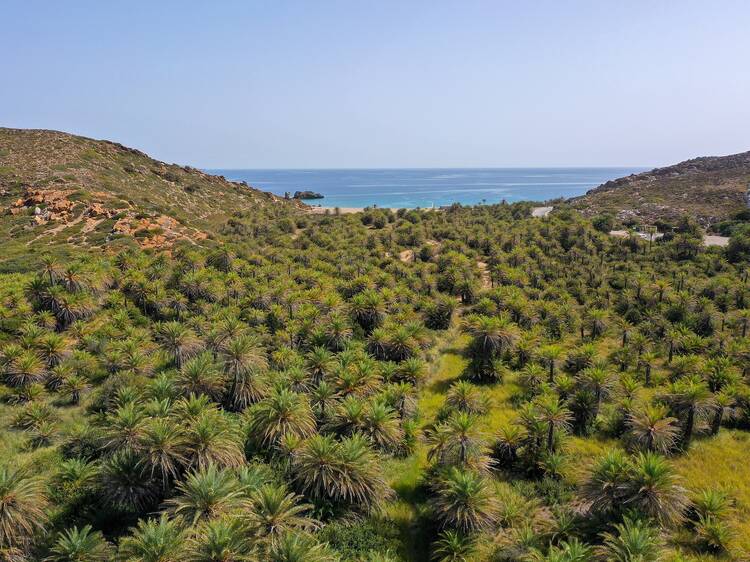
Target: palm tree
x,y
598,380
220,540
53,348
51,271
205,494
125,484
244,361
299,547
273,511
651,429
318,363
724,408
22,507
162,449
154,540
201,375
282,413
212,438
605,489
179,341
550,354
597,321
464,501
554,415
633,539
368,310
452,546
337,333
124,428
382,426
466,397
653,490
691,399
343,472
567,551
24,369
74,385
491,337
81,545
459,441
646,362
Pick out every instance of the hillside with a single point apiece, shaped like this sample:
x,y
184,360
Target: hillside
x,y
709,188
61,189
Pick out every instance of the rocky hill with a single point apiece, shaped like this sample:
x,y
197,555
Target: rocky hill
x,y
710,189
61,189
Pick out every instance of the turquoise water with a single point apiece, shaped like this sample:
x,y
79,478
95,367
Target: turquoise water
x,y
429,187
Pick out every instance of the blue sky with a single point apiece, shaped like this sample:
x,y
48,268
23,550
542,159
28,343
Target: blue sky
x,y
385,84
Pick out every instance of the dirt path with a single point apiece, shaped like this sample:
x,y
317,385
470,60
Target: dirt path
x,y
485,275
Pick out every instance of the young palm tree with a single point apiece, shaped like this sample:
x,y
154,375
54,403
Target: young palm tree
x,y
273,511
244,360
633,539
464,501
124,427
550,354
554,415
53,348
605,489
567,551
125,484
652,429
212,438
646,362
491,337
281,413
154,540
691,400
344,472
22,507
205,494
299,547
598,380
653,490
81,545
201,375
319,363
179,341
381,425
24,369
74,385
162,449
459,441
452,546
724,408
220,540
466,397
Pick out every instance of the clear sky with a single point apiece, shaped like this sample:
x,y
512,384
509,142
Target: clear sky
x,y
383,83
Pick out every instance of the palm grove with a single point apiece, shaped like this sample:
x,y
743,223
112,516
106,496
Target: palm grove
x,y
256,401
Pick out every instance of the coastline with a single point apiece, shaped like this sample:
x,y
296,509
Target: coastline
x,y
539,212
347,210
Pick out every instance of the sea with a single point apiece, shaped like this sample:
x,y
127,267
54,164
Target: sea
x,y
433,187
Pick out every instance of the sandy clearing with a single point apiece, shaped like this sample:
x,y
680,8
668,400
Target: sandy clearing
x,y
541,211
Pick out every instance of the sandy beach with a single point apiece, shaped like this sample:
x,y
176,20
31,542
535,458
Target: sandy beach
x,y
349,210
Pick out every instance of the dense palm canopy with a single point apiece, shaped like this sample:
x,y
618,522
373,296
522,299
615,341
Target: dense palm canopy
x,y
319,388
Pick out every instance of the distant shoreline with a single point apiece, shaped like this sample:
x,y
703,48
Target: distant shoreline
x,y
535,211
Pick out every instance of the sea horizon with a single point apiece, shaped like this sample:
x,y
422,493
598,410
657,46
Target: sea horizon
x,y
428,187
